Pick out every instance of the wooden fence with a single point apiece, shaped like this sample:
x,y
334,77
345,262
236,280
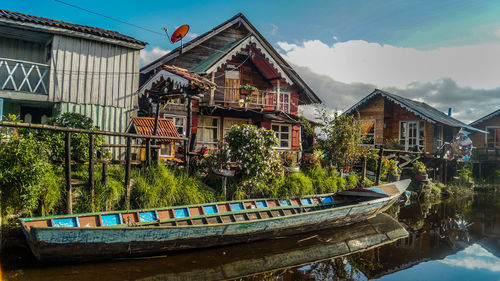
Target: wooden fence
x,y
91,161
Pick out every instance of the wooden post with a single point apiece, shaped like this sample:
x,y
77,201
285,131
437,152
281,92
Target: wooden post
x,y
187,147
105,174
155,131
148,152
67,170
379,165
128,159
445,171
212,91
91,171
363,170
224,184
278,91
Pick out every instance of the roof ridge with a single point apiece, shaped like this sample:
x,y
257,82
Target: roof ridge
x,y
18,16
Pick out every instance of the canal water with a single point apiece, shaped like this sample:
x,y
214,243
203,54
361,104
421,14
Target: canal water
x,y
452,240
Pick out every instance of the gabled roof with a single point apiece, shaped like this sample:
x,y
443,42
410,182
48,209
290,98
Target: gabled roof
x,y
486,117
266,46
420,109
56,26
146,125
178,75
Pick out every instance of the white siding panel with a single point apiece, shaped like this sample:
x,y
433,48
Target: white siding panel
x,y
82,71
122,77
101,75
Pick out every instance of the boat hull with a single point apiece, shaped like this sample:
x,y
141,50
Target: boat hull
x,y
83,244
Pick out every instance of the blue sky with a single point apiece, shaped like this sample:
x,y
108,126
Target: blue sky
x,y
446,53
416,24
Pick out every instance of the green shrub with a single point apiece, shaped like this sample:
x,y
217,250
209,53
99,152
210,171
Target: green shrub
x,y
419,168
54,141
296,184
159,186
352,181
324,181
25,174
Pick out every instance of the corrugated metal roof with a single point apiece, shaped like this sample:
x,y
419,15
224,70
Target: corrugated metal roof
x,y
146,125
202,67
24,18
486,117
420,109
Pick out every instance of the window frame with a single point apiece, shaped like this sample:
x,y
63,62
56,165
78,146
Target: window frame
x,y
278,135
486,128
224,131
282,103
184,122
171,150
199,137
374,130
419,138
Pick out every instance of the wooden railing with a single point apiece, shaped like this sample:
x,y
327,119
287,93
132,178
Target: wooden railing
x,y
68,162
484,154
257,100
24,76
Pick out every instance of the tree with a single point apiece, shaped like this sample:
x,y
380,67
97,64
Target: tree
x,y
342,138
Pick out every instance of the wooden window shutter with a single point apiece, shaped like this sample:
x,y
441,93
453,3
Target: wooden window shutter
x,y
296,137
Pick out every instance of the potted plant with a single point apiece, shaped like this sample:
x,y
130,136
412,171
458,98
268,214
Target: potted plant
x,y
394,171
247,89
290,162
419,170
219,161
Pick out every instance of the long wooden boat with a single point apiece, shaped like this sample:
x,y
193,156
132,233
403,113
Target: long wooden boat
x,y
134,233
231,261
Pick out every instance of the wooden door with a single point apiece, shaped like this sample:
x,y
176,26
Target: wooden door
x,y
232,90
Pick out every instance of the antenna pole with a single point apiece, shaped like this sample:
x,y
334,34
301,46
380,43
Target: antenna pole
x,y
182,47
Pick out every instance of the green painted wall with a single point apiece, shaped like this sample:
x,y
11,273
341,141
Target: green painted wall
x,y
107,118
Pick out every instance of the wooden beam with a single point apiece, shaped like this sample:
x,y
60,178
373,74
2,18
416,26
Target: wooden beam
x,y
128,158
83,131
379,165
67,170
91,171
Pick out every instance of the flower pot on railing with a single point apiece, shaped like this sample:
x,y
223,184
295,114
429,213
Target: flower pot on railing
x,y
245,92
421,177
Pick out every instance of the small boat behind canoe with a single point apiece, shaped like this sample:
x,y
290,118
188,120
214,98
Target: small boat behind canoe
x,y
133,233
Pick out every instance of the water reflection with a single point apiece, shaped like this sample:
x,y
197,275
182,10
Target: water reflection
x,y
458,240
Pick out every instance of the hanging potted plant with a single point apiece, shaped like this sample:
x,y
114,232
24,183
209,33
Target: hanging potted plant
x,y
247,89
420,171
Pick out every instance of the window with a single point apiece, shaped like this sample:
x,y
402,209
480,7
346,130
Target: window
x,y
208,132
166,150
368,131
493,137
179,123
439,136
285,102
230,122
282,132
411,134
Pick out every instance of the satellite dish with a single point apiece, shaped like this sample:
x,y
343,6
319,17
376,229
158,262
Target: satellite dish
x,y
179,33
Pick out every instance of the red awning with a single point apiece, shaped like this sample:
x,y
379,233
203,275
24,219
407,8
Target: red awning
x,y
146,125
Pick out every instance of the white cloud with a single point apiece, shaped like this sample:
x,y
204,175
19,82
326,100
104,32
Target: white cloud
x,y
153,54
274,30
474,257
192,35
476,66
497,32
335,38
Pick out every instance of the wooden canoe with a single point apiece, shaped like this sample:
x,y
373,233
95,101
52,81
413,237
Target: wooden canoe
x,y
235,261
134,233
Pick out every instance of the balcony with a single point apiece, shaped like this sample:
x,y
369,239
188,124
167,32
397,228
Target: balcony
x,y
265,100
24,76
